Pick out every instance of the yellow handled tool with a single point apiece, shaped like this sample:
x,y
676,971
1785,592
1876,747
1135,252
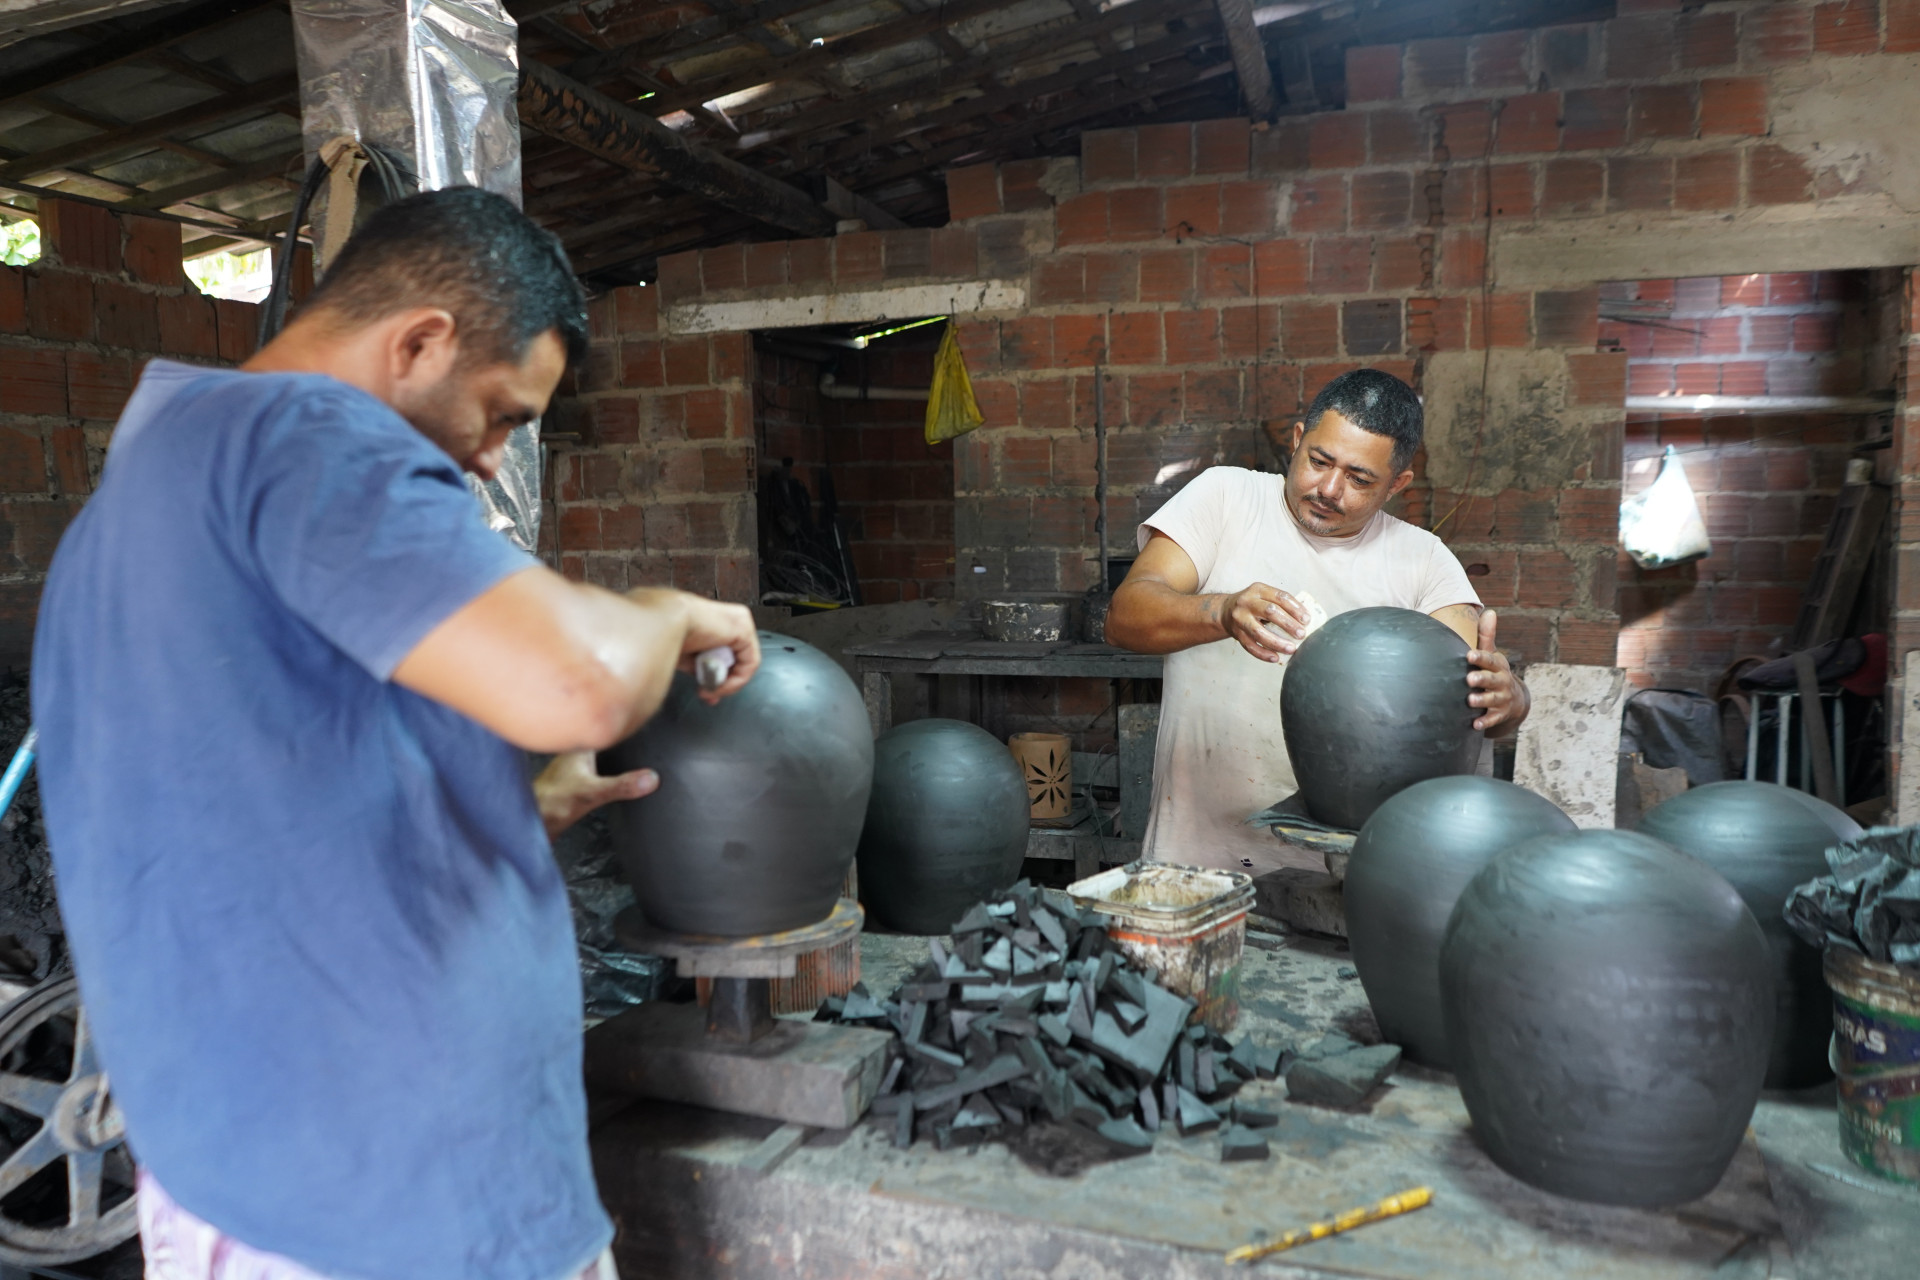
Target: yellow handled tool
x,y
1405,1202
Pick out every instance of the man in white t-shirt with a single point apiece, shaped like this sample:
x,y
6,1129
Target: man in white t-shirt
x,y
1218,587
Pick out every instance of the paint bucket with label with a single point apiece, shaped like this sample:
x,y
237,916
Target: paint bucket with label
x,y
1876,1055
1187,924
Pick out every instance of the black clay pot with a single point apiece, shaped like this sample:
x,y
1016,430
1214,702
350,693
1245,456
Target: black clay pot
x,y
1375,701
1608,1003
760,802
946,825
1414,856
1766,839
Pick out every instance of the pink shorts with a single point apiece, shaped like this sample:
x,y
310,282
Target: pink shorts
x,y
179,1246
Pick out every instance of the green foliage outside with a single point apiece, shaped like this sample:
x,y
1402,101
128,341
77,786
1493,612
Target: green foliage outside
x,y
228,274
19,243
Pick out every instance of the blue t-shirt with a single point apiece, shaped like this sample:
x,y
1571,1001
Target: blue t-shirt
x,y
321,937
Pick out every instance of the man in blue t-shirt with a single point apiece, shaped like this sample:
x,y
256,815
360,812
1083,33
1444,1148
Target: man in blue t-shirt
x,y
285,677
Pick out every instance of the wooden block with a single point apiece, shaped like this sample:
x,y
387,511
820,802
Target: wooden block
x,y
807,1073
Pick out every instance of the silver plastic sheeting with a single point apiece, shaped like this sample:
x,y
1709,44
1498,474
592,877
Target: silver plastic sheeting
x,y
432,82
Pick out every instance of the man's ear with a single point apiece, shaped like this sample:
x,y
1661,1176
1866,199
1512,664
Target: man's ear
x,y
1400,482
424,345
1299,433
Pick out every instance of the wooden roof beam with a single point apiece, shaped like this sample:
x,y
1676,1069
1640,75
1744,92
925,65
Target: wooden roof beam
x,y
114,50
1249,57
151,131
563,108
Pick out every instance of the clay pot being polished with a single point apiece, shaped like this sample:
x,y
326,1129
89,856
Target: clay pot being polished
x,y
1766,839
946,825
761,798
1608,1003
1414,856
1373,702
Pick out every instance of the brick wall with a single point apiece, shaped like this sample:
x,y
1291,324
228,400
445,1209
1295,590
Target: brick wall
x,y
1765,483
1220,275
75,330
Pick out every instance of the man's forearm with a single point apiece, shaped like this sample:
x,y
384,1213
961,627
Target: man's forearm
x,y
1151,617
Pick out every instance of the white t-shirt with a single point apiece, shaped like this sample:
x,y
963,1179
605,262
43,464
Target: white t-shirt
x,y
1221,757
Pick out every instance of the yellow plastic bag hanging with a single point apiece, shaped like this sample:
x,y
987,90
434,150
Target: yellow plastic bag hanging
x,y
951,408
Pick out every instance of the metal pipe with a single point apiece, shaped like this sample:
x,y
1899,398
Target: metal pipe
x,y
1783,706
1839,753
1100,469
1753,738
833,390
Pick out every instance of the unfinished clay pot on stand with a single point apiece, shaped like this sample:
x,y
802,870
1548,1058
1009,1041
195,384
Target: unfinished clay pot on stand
x,y
1766,839
761,798
1373,702
1608,1004
946,825
1414,856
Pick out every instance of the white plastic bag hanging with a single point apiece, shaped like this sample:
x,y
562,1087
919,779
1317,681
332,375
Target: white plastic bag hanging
x,y
1662,526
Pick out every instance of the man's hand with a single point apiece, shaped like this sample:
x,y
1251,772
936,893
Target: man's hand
x,y
711,625
571,787
1497,692
1268,622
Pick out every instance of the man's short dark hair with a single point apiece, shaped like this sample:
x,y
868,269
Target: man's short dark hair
x,y
505,280
1376,402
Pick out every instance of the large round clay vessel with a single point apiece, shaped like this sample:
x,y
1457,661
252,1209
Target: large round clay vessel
x,y
1766,839
1414,856
761,798
1608,1003
946,825
1373,702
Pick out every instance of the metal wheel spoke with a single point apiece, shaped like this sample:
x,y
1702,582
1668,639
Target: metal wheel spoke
x,y
85,1061
39,1151
25,1093
83,1188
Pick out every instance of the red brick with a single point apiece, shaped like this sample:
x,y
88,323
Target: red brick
x,y
1640,182
859,257
1111,277
1281,150
636,311
59,305
1026,343
1247,208
1193,210
1249,333
1222,146
1849,27
1776,176
125,316
1640,47
1530,122
1595,118
1106,155
187,325
1497,59
1166,275
1734,107
1081,219
679,277
1337,140
1903,26
1020,185
706,415
616,420
1816,332
1341,265
1400,265
766,264
1512,319
1319,204
1153,400
1225,271
1463,259
687,362
1437,324
1436,64
1789,288
973,192
1381,200
1134,213
1280,268
1720,336
723,267
1510,188
1586,642
1694,379
1466,129
1079,340
73,473
1192,337
97,386
13,300
1572,186
82,236
1778,33
1709,39
1373,73
153,252
1213,395
1707,182
641,364
955,253
808,262
1059,280
1396,137
1662,111
1743,291
1166,151
239,326
1567,318
1310,329
33,380
1598,379
1133,337
1743,378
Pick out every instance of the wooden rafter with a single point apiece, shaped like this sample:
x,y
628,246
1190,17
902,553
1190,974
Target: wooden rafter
x,y
114,50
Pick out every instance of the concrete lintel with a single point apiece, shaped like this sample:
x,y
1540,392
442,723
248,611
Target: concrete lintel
x,y
849,306
1609,249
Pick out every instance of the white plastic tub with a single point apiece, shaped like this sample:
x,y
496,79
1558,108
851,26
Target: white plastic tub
x,y
1187,924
